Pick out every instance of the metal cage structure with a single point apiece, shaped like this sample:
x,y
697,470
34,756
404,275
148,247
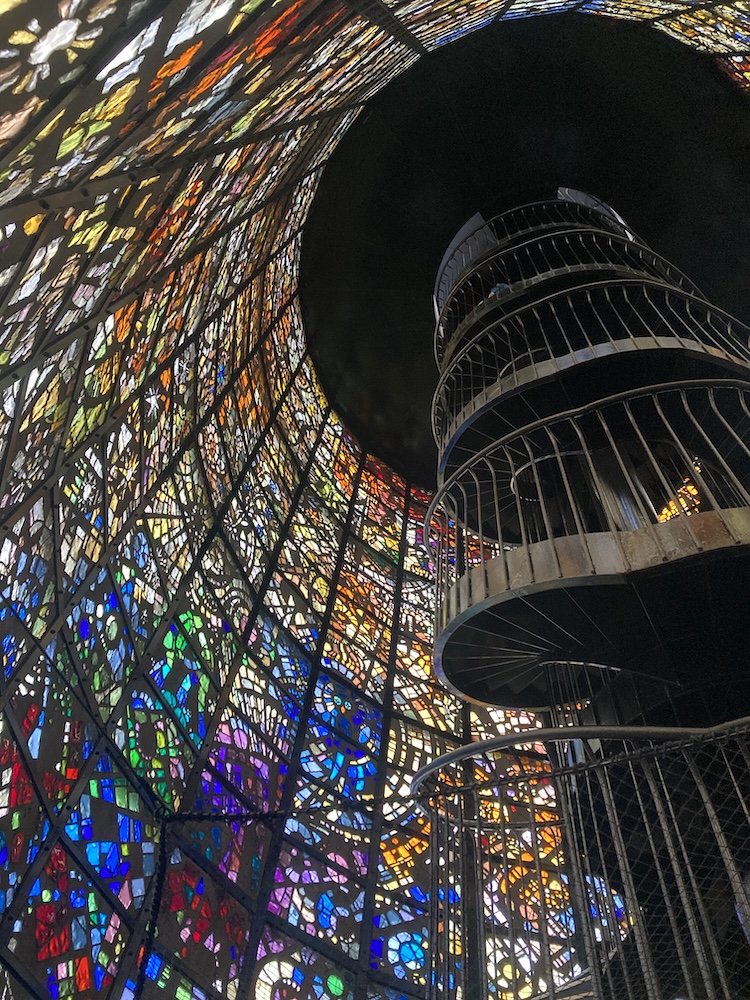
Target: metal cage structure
x,y
607,863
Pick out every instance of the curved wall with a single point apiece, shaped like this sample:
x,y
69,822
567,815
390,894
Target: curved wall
x,y
215,615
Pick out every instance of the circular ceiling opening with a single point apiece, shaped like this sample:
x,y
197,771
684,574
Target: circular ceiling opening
x,y
498,118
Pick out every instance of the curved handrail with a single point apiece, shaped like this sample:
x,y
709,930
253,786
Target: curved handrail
x,y
673,276
443,488
452,347
590,214
562,734
649,283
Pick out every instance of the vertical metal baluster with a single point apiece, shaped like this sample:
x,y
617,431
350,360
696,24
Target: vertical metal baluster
x,y
739,891
609,880
663,887
436,972
680,863
640,936
575,859
687,458
547,959
647,515
669,491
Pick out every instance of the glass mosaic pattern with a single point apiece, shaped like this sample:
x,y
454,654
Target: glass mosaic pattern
x,y
215,612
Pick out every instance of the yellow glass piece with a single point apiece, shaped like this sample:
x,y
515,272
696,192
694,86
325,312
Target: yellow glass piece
x,y
689,501
90,237
43,133
32,224
22,37
105,168
22,84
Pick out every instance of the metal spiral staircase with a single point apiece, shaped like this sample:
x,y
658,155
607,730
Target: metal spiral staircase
x,y
591,540
592,418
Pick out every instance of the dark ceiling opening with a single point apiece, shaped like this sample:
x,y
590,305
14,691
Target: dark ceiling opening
x,y
494,120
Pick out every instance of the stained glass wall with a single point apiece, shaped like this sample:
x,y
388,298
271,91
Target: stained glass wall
x,y
214,609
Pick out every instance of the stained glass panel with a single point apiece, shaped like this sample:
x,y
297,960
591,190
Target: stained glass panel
x,y
212,605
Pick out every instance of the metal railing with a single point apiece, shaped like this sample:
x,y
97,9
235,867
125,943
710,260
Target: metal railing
x,y
501,229
572,326
628,464
607,863
503,277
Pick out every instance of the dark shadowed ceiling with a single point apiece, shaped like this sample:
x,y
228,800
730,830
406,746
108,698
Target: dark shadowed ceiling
x,y
498,118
